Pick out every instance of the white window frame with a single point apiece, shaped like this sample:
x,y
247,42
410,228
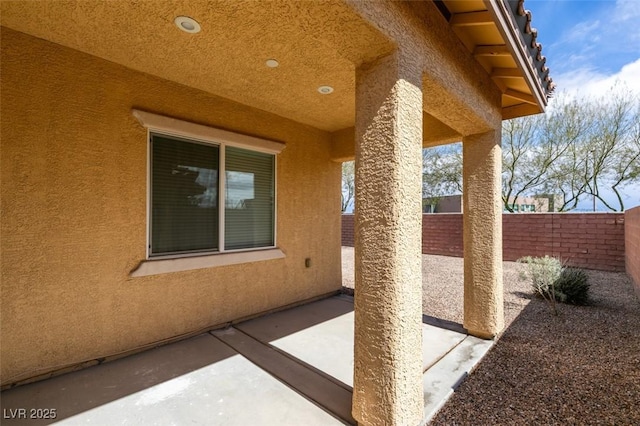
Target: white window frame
x,y
167,126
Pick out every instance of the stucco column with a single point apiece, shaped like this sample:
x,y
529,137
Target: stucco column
x,y
483,294
388,281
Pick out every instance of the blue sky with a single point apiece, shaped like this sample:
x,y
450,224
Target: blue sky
x,y
590,45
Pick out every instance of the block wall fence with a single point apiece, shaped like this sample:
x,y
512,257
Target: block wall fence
x,y
586,240
632,245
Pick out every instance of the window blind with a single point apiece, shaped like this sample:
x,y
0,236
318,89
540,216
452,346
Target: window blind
x,y
249,199
184,196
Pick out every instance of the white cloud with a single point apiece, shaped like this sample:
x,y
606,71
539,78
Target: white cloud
x,y
626,10
586,82
623,23
581,31
597,46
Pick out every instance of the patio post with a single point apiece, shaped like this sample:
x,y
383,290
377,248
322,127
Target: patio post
x,y
388,223
482,218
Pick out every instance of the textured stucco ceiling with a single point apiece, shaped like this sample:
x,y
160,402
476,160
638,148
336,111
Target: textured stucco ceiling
x,y
316,43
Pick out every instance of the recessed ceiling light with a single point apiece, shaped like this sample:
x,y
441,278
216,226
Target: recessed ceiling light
x,y
325,90
272,63
187,24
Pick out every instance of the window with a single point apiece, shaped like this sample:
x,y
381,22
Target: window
x,y
249,199
184,196
187,189
210,191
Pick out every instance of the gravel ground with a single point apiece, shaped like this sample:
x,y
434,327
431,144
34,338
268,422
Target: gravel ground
x,y
580,367
443,285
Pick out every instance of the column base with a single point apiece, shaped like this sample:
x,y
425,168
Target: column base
x,y
482,334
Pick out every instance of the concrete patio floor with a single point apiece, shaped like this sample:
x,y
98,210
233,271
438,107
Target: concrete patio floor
x,y
288,368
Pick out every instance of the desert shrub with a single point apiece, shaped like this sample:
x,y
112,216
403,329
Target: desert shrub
x,y
572,286
555,283
543,273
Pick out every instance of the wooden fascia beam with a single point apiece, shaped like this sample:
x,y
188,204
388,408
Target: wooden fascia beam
x,y
520,111
506,73
471,19
524,97
491,50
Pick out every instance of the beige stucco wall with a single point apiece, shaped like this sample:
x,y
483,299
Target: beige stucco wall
x,y
482,234
74,176
458,92
387,385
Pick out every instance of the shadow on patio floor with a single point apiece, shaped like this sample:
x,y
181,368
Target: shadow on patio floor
x,y
290,367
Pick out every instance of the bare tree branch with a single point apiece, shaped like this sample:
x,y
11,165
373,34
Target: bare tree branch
x,y
348,185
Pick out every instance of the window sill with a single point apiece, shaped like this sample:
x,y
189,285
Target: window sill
x,y
165,266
